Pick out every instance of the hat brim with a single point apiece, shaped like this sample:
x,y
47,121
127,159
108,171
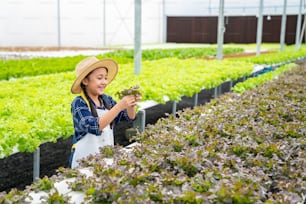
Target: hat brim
x,y
112,70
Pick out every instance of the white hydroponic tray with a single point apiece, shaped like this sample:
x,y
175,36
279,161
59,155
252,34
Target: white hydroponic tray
x,y
62,187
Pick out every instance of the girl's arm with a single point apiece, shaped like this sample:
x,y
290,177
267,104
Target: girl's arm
x,y
131,111
127,102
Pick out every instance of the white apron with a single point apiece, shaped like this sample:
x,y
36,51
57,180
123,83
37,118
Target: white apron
x,y
90,143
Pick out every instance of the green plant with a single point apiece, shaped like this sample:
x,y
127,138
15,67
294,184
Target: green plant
x,y
244,154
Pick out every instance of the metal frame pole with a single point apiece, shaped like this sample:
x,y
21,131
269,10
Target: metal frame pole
x,y
58,24
164,16
298,27
140,121
283,28
174,108
137,49
215,92
196,99
36,164
219,89
104,23
259,28
221,30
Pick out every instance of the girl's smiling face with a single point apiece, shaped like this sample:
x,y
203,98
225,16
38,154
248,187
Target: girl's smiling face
x,y
96,82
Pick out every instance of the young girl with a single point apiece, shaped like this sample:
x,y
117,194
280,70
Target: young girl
x,y
95,113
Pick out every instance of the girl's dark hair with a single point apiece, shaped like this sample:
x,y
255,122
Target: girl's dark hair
x,y
93,110
92,106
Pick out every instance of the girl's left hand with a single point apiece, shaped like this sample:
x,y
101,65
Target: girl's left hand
x,y
137,98
131,100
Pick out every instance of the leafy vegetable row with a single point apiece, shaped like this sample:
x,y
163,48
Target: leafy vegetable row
x,y
39,66
276,58
239,148
181,53
37,109
254,82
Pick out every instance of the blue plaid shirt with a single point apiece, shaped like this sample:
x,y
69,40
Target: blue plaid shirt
x,y
84,122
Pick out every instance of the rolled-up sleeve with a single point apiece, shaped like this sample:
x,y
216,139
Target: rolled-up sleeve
x,y
122,116
83,120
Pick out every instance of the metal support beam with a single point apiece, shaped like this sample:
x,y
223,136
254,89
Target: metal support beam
x,y
215,92
283,26
137,44
36,164
259,28
104,23
219,89
140,121
196,99
58,23
221,30
174,108
164,32
298,27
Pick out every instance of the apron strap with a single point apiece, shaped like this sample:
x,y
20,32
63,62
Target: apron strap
x,y
74,141
85,99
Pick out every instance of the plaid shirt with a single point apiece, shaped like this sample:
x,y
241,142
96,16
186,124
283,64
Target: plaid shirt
x,y
83,120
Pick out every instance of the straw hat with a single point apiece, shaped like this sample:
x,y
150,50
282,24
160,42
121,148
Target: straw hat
x,y
89,64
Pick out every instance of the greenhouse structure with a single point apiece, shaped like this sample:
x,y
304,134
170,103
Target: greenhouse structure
x,y
211,94
102,23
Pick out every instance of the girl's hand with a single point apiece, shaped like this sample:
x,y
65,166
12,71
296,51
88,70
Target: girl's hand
x,y
128,101
137,98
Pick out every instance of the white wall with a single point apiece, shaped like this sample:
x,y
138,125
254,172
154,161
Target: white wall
x,y
27,23
82,23
36,22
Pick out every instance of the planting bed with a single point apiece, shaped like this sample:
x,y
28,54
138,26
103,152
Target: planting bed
x,y
17,169
247,148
